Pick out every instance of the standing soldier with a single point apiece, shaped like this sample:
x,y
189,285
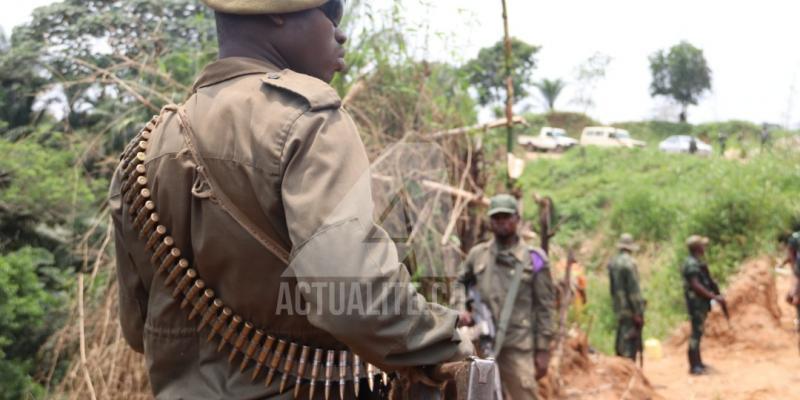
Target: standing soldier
x,y
514,281
793,297
699,290
623,276
723,141
242,213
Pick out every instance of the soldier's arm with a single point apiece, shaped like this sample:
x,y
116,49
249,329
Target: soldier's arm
x,y
458,295
326,194
633,292
132,293
544,303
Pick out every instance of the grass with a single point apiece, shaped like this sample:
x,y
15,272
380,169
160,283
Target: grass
x,y
742,206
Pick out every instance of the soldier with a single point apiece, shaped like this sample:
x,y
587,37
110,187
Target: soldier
x,y
514,281
699,290
623,277
793,297
240,216
723,141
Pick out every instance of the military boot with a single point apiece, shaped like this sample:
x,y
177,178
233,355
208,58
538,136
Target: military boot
x,y
695,368
706,368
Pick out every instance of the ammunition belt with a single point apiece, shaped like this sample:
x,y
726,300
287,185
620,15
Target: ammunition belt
x,y
279,356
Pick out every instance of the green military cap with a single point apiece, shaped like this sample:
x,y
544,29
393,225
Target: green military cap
x,y
262,6
502,203
626,242
696,240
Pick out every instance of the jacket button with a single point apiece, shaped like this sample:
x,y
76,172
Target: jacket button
x,y
273,75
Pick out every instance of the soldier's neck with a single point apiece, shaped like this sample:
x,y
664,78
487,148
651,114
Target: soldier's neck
x,y
256,50
506,242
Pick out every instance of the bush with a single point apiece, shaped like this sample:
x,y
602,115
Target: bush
x,y
662,199
29,313
642,214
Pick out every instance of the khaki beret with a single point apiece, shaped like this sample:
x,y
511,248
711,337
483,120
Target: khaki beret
x,y
696,240
262,6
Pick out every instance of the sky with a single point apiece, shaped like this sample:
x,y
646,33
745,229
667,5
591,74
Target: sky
x,y
751,48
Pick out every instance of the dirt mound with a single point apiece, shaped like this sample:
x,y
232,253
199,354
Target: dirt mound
x,y
595,376
755,314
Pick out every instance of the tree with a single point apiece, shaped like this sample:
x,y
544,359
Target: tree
x,y
550,90
587,76
485,71
682,74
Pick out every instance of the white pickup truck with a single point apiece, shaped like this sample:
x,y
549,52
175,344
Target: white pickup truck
x,y
549,139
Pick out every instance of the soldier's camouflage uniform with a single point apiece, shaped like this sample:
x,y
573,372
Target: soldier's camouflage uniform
x,y
282,149
697,306
794,244
530,327
627,301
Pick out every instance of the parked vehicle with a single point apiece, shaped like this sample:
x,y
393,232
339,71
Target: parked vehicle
x,y
606,136
683,144
549,139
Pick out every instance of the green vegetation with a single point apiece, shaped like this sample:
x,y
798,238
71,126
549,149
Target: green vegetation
x,y
661,199
484,71
682,74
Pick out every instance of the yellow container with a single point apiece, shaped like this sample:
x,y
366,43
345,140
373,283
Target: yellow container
x,y
653,350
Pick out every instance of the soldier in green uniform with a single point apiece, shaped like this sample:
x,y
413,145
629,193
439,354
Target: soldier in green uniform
x,y
623,276
514,281
699,290
793,297
255,194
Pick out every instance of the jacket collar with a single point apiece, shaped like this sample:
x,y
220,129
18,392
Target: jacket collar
x,y
232,67
519,251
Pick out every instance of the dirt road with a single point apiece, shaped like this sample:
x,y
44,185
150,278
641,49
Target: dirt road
x,y
757,358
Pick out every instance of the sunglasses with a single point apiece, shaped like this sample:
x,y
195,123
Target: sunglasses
x,y
334,10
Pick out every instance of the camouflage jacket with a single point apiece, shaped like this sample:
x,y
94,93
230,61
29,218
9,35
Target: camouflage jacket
x,y
531,324
696,268
623,277
794,245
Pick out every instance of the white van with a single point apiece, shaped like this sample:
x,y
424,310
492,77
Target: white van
x,y
607,136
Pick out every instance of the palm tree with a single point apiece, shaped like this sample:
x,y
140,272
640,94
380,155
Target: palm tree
x,y
550,89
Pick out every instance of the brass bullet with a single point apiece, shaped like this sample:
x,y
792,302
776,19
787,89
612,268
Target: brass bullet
x,y
173,255
143,196
187,280
182,266
329,372
229,331
288,365
216,328
315,365
262,356
356,373
138,159
138,171
301,370
193,292
251,349
239,342
210,313
275,362
162,248
151,222
142,215
202,305
136,189
385,378
371,377
343,356
155,236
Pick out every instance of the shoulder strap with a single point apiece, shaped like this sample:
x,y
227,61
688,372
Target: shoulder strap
x,y
218,196
508,305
